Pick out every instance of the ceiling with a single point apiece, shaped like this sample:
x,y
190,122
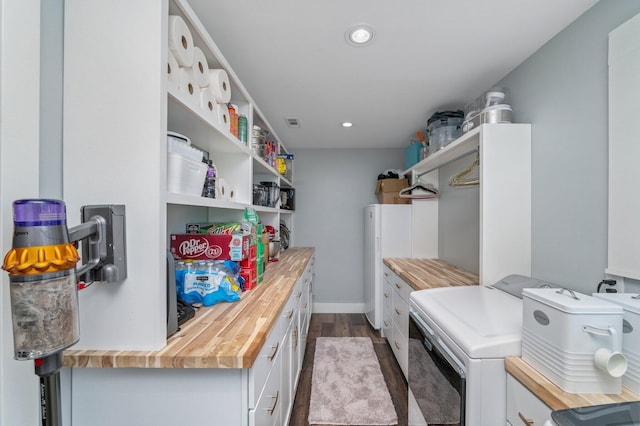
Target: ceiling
x,y
426,56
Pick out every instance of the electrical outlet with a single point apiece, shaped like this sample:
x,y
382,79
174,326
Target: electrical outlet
x,y
618,287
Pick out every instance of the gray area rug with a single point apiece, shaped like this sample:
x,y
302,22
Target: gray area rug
x,y
347,385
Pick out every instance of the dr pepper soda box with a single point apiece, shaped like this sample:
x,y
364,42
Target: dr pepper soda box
x,y
210,246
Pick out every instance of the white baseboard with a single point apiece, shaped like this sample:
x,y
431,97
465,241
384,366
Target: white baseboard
x,y
339,308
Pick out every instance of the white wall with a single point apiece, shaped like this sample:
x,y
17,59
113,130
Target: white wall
x,y
19,176
332,189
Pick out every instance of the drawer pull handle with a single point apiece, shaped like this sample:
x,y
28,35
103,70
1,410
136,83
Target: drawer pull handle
x,y
386,295
397,311
524,419
295,339
289,314
275,403
397,345
386,324
299,294
386,275
275,351
304,306
397,286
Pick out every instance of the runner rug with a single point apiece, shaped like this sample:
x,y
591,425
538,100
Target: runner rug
x,y
347,385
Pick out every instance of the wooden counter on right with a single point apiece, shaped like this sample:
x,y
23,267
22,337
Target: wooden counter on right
x,y
554,397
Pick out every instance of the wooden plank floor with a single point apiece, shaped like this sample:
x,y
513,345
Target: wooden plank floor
x,y
348,325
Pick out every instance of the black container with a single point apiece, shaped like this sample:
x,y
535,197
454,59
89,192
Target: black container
x,y
289,199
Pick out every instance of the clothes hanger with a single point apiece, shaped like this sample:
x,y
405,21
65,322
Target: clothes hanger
x,y
432,192
462,178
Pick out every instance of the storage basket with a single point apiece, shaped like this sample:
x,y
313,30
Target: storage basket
x,y
185,176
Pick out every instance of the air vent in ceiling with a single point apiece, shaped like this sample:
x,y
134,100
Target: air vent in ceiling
x,y
292,122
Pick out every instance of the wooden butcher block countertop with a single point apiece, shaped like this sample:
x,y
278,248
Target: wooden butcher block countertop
x,y
422,274
225,335
554,397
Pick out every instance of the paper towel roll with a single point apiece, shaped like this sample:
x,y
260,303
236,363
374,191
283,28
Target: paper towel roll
x,y
222,192
208,104
231,192
219,86
173,69
188,86
180,41
200,67
221,113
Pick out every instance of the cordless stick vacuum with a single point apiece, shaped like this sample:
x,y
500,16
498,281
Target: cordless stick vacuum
x,y
44,285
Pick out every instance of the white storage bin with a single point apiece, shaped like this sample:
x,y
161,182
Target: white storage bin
x,y
630,304
561,332
185,176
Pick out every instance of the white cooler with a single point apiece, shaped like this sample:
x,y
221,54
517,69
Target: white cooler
x,y
561,332
630,304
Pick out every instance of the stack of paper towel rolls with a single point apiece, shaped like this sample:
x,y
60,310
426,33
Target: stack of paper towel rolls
x,y
187,68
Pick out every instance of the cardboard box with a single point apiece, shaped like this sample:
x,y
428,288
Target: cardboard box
x,y
388,190
210,246
250,276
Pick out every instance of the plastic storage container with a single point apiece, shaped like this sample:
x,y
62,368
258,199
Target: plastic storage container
x,y
630,304
185,176
561,333
489,108
443,128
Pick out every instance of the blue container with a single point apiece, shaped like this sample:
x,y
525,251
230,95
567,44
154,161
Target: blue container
x,y
412,154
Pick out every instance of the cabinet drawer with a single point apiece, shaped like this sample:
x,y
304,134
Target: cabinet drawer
x,y
268,354
387,325
400,346
388,275
397,283
523,407
268,408
400,313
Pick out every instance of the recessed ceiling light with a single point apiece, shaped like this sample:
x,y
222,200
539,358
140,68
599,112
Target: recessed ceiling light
x,y
347,124
359,35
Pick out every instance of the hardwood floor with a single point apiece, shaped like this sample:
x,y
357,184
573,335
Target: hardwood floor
x,y
348,325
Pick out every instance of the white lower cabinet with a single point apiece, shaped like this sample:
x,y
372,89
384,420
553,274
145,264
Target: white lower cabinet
x,y
262,395
523,407
395,316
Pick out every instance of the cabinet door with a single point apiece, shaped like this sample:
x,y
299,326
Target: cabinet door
x,y
387,308
523,407
286,378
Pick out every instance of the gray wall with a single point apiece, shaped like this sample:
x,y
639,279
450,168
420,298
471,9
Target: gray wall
x,y
562,91
332,189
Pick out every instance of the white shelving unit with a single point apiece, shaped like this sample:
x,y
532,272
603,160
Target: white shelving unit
x,y
505,195
119,106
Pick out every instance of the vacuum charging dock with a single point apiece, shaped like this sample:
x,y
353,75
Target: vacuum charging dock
x,y
104,250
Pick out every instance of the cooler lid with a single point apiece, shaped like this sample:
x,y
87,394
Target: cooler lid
x,y
629,301
514,284
571,302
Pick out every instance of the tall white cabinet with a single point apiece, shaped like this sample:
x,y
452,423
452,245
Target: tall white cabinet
x,y
624,150
118,107
505,195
